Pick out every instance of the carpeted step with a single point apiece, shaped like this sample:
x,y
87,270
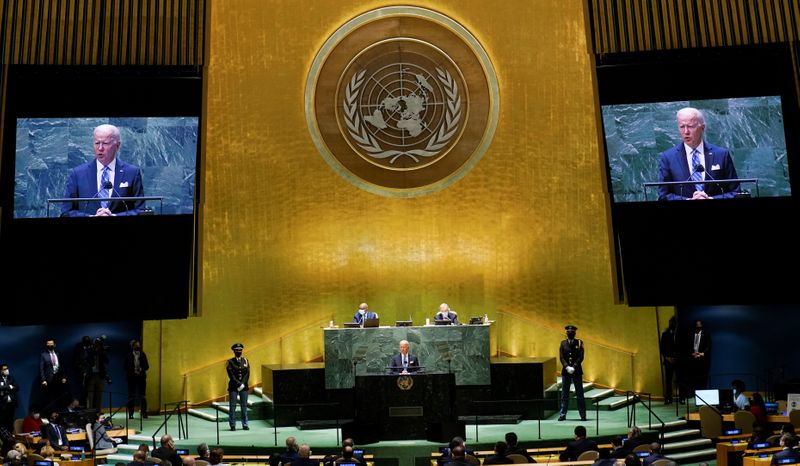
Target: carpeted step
x,y
693,456
686,444
672,435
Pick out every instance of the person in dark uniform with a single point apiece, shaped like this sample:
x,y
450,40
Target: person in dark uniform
x,y
52,376
136,367
238,369
571,354
669,348
8,398
699,358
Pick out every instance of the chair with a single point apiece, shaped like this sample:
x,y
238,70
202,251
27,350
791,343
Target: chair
x,y
472,460
641,448
662,462
18,425
517,458
744,420
90,439
774,440
710,422
794,418
201,463
589,455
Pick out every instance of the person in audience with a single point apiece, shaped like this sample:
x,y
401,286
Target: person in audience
x,y
578,446
13,458
760,435
363,313
203,452
47,450
458,457
445,313
304,456
632,460
188,460
634,439
740,401
515,449
655,454
138,458
447,457
103,441
167,451
617,452
499,456
33,421
404,362
54,432
216,456
758,409
348,457
789,453
291,451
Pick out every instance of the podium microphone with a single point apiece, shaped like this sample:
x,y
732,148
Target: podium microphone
x,y
109,185
701,169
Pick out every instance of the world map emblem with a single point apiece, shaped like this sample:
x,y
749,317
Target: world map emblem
x,y
402,101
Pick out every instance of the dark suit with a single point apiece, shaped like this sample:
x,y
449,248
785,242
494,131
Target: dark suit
x,y
137,382
648,460
517,450
698,368
359,318
56,434
82,182
238,374
47,373
450,315
786,453
8,401
497,459
576,447
397,363
571,354
670,348
169,454
673,166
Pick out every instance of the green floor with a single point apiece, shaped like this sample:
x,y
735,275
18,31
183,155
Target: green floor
x,y
263,439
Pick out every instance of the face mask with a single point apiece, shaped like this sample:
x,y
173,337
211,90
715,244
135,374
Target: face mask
x,y
50,347
136,351
36,415
5,372
362,311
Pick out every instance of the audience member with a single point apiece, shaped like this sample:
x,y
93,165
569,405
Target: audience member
x,y
347,457
291,451
655,454
458,456
139,458
789,454
167,451
216,456
758,409
13,458
499,456
760,435
515,449
188,460
102,441
632,460
304,457
740,401
54,432
33,421
617,452
634,439
578,446
203,452
447,457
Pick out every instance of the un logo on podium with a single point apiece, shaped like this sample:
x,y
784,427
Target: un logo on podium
x,y
402,101
405,382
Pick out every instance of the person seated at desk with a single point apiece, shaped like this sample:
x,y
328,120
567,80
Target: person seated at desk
x,y
578,446
363,313
447,456
515,449
789,454
610,457
48,453
33,421
404,362
458,457
445,313
103,441
167,452
290,454
759,409
760,435
655,454
55,433
740,401
499,456
139,458
348,457
634,439
14,458
304,457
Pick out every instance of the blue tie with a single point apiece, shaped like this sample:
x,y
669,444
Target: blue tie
x,y
103,191
696,176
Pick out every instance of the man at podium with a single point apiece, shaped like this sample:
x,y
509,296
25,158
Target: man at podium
x,y
104,178
404,362
695,160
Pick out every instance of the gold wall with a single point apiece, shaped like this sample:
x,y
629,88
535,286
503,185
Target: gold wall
x,y
287,244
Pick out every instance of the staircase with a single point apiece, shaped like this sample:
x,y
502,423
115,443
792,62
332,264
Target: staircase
x,y
605,398
259,406
684,444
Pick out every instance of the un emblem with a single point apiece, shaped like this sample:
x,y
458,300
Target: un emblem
x,y
402,101
405,382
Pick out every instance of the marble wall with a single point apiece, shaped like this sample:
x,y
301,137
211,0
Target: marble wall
x,y
752,128
47,148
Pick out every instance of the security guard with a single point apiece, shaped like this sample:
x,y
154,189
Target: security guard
x,y
571,353
238,369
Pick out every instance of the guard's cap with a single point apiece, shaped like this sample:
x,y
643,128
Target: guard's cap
x,y
237,346
570,327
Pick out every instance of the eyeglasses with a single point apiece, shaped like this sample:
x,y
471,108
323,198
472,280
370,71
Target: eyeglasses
x,y
689,127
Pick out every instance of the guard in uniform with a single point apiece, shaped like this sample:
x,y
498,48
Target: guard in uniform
x,y
571,354
238,369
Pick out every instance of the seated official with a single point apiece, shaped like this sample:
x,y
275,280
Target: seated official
x,y
55,433
635,439
103,441
167,452
515,449
789,453
404,362
139,458
290,454
448,457
499,456
578,446
348,457
655,454
458,457
445,313
363,313
304,457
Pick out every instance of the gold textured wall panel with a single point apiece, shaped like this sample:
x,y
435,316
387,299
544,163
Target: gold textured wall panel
x,y
287,244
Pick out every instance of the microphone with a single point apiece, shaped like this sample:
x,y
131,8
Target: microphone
x,y
701,169
109,185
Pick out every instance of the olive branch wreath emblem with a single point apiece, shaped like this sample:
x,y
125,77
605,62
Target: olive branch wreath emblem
x,y
369,144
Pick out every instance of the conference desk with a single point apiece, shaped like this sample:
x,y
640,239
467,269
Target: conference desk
x,y
462,350
732,454
772,418
29,439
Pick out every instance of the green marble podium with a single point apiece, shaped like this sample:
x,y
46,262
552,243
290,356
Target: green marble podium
x,y
459,349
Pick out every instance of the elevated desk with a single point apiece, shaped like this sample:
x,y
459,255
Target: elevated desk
x,y
459,349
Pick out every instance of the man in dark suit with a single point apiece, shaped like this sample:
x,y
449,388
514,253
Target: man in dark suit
x,y
670,349
695,160
167,451
499,456
404,362
238,368
699,357
578,446
445,313
53,431
136,367
789,453
104,178
8,398
363,313
655,454
52,376
571,354
515,449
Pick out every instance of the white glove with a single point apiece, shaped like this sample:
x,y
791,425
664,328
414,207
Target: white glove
x,y
570,369
241,387
116,440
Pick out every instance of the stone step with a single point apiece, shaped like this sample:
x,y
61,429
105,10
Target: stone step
x,y
208,414
681,433
676,424
119,458
685,444
613,403
140,438
260,393
693,455
127,447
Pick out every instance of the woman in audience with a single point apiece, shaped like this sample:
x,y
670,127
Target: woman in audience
x,y
758,409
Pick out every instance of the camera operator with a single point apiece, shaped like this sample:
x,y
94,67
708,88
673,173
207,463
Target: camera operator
x,y
97,373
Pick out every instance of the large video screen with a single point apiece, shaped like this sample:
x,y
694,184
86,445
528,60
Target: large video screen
x,y
161,153
642,137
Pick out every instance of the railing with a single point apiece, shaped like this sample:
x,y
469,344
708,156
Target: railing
x,y
631,412
183,425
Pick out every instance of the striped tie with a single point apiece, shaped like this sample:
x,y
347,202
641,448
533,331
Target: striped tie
x,y
103,191
696,175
